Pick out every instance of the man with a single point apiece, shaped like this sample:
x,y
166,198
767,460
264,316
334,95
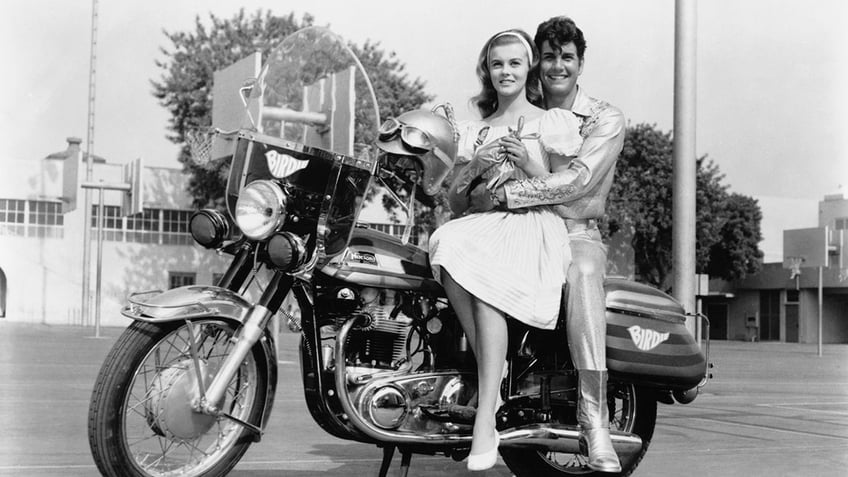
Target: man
x,y
579,194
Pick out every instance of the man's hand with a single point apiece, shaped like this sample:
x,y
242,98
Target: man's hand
x,y
480,199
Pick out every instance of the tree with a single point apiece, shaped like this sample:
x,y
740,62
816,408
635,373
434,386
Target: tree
x,y
735,254
185,88
640,205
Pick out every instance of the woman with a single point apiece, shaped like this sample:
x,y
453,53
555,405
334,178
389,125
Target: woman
x,y
500,263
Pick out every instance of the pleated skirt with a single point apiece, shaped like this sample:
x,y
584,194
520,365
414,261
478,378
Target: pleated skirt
x,y
515,262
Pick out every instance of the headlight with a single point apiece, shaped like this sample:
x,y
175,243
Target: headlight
x,y
261,209
209,228
287,251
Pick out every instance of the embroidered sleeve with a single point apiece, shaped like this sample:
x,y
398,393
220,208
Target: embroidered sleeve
x,y
603,139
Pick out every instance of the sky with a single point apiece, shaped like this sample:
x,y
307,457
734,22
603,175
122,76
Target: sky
x,y
771,83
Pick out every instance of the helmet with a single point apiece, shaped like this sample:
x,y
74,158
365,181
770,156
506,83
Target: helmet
x,y
426,135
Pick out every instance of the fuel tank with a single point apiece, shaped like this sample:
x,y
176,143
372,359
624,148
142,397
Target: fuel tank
x,y
647,338
376,259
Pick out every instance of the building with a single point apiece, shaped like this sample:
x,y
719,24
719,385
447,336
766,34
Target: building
x,y
41,248
773,306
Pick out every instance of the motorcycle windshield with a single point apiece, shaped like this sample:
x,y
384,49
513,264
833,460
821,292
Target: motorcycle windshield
x,y
316,119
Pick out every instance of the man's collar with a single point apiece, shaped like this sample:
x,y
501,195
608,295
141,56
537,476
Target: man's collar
x,y
582,103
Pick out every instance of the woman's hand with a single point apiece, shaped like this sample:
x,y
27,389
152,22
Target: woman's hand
x,y
515,151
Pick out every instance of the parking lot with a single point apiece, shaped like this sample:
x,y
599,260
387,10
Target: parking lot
x,y
773,409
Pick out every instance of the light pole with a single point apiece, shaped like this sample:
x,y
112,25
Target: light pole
x,y
683,158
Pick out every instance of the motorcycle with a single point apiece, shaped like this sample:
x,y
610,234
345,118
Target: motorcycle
x,y
189,385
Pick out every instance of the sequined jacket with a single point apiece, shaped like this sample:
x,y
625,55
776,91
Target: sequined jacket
x,y
579,191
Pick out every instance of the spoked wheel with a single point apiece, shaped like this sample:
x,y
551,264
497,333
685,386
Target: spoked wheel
x,y
142,420
631,410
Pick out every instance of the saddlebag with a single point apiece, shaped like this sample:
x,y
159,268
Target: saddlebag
x,y
647,339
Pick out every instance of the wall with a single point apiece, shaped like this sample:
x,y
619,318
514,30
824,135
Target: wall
x,y
745,304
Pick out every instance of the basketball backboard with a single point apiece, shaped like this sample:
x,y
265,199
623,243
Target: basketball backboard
x,y
228,103
810,245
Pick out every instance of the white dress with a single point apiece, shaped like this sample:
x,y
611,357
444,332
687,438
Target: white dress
x,y
515,262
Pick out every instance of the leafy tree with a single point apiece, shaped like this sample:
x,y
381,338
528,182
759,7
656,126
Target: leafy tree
x,y
640,206
185,88
735,253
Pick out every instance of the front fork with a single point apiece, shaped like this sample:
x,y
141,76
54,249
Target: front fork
x,y
245,338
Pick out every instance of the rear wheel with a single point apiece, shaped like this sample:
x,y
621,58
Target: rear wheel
x,y
632,410
141,422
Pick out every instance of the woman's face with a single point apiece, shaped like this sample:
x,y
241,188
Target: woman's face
x,y
508,67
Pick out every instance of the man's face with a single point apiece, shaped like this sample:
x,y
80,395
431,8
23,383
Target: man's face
x,y
559,68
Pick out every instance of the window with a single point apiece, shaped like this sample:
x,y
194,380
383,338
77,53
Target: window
x,y
216,278
792,296
31,218
113,222
842,223
144,227
175,227
769,315
45,219
12,217
181,279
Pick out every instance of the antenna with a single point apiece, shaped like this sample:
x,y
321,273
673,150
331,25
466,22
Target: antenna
x,y
91,85
89,169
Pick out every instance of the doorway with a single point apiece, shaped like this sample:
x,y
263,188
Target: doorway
x,y
2,294
792,322
717,314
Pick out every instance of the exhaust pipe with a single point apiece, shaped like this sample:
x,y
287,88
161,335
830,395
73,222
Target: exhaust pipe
x,y
565,439
687,396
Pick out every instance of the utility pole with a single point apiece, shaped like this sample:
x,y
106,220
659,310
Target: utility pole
x,y
89,170
683,158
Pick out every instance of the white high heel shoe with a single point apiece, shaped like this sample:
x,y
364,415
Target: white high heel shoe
x,y
486,460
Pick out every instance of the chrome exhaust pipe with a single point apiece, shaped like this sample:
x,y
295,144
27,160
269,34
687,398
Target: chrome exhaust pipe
x,y
565,439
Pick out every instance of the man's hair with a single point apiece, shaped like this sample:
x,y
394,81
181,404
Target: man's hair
x,y
559,31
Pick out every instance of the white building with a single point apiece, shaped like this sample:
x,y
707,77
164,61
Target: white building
x,y
41,249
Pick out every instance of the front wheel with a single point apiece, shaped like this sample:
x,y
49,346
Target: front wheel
x,y
141,421
631,410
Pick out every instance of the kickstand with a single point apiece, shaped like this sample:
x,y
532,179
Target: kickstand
x,y
405,459
388,454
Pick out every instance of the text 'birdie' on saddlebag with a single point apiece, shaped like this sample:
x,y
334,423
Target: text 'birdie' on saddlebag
x,y
647,339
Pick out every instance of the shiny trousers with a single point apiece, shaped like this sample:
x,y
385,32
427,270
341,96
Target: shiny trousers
x,y
587,330
586,319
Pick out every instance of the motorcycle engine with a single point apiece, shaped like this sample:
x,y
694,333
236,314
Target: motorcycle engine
x,y
380,337
382,342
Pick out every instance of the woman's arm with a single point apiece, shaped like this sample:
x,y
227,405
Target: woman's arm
x,y
462,183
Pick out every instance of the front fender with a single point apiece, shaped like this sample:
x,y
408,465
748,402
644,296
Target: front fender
x,y
199,301
186,303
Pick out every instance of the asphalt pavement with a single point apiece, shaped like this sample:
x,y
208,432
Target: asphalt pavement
x,y
772,409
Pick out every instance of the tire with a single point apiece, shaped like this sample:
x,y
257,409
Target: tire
x,y
140,423
635,410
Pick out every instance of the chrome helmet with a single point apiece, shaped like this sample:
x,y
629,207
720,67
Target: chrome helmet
x,y
427,135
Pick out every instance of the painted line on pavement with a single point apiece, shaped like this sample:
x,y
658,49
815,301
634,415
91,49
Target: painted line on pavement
x,y
770,428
